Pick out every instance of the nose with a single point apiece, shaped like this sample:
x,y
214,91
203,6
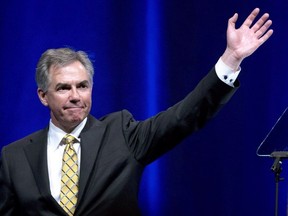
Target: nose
x,y
74,95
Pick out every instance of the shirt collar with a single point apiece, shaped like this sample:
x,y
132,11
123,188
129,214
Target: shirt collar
x,y
55,134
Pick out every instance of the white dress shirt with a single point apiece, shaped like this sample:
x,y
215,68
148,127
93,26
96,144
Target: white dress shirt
x,y
55,154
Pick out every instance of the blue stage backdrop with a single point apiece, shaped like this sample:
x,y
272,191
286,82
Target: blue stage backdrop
x,y
147,56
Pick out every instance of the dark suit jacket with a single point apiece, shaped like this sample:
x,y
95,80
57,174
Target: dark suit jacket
x,y
114,151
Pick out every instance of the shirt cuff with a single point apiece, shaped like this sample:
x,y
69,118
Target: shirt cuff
x,y
225,73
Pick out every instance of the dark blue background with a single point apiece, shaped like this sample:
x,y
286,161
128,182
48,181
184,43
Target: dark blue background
x,y
147,56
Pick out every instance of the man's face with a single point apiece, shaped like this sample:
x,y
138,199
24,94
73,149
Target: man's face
x,y
68,95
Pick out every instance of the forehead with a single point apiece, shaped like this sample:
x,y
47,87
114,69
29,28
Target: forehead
x,y
73,72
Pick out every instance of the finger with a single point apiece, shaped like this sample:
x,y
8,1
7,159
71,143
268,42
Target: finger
x,y
249,20
260,22
266,36
232,21
263,28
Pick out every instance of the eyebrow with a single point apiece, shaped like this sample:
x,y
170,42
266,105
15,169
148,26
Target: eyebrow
x,y
85,82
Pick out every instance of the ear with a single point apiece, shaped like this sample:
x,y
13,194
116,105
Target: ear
x,y
42,96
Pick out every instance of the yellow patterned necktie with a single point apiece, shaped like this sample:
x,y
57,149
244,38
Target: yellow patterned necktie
x,y
69,179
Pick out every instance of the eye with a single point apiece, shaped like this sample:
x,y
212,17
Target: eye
x,y
63,88
83,85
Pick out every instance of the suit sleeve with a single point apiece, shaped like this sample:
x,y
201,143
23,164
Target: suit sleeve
x,y
8,206
153,137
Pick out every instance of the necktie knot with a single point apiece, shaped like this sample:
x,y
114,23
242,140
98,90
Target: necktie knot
x,y
69,139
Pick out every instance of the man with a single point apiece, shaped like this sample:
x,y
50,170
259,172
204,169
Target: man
x,y
106,157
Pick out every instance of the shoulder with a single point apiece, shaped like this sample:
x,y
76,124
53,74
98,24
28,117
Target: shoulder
x,y
116,116
40,134
121,118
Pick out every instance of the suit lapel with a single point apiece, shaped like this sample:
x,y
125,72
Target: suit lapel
x,y
91,140
36,153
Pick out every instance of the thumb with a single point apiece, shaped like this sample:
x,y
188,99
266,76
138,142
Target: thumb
x,y
232,21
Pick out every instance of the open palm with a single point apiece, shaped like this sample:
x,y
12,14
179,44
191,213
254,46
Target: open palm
x,y
243,41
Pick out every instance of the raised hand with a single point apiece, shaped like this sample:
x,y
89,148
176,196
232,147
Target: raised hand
x,y
243,41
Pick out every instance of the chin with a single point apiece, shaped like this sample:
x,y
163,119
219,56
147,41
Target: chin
x,y
76,120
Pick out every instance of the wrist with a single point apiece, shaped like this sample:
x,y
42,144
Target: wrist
x,y
231,60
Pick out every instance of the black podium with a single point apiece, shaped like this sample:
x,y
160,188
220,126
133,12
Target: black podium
x,y
275,145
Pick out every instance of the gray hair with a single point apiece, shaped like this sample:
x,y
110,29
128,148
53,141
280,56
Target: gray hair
x,y
60,58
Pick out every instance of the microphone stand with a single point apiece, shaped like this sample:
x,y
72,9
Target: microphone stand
x,y
277,169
